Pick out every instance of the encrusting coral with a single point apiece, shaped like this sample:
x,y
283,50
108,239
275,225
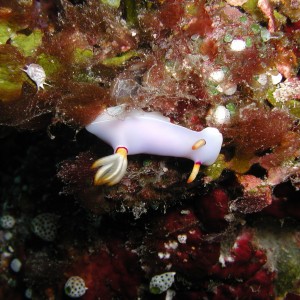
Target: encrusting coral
x,y
133,228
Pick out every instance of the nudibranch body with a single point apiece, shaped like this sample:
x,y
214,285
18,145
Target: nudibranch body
x,y
37,74
137,132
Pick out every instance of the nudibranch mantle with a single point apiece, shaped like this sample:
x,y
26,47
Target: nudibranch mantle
x,y
137,132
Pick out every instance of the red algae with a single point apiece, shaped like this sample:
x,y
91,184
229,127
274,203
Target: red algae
x,y
200,22
256,195
213,208
264,134
180,245
110,272
243,262
171,13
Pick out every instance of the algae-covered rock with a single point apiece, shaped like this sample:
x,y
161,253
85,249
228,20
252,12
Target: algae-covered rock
x,y
11,78
232,65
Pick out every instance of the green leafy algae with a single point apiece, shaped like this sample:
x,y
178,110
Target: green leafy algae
x,y
215,170
50,64
119,60
280,18
231,107
27,44
240,163
112,3
131,12
5,33
288,268
255,28
82,56
251,7
10,73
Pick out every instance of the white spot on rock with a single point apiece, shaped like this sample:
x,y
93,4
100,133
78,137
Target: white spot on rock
x,y
230,90
217,76
222,260
276,78
171,245
238,45
262,79
236,2
221,115
16,265
28,293
8,236
163,255
170,294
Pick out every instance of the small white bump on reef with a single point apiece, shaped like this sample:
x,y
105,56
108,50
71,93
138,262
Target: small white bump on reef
x,y
37,74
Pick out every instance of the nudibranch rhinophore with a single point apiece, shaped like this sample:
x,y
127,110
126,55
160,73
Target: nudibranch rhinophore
x,y
137,132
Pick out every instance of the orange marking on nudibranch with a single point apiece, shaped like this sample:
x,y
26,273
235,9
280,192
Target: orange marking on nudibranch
x,y
199,144
194,172
122,150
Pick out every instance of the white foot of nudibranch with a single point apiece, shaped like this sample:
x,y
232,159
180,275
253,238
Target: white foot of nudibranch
x,y
112,168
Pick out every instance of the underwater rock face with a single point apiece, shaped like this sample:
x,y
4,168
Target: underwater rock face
x,y
233,233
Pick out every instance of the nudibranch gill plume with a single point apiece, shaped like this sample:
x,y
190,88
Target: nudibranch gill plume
x,y
137,132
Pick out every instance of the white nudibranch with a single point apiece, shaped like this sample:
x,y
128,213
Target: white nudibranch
x,y
37,74
137,132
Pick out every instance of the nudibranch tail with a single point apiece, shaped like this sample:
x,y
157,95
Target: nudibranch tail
x,y
194,172
112,168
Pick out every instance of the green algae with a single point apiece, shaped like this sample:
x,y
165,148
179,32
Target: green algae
x,y
255,28
280,241
240,163
280,18
215,170
228,38
292,105
50,64
27,44
248,42
231,107
5,33
11,79
82,56
288,267
131,12
112,3
119,60
251,7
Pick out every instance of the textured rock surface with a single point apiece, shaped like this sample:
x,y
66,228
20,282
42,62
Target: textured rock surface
x,y
231,234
